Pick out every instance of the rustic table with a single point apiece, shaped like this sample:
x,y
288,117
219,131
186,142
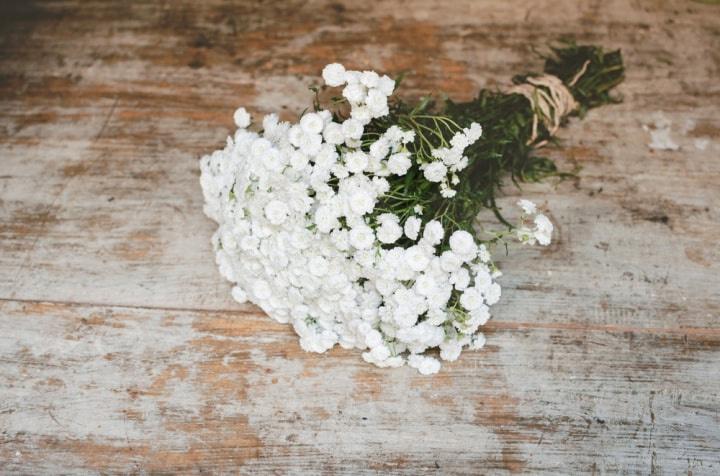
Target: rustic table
x,y
121,349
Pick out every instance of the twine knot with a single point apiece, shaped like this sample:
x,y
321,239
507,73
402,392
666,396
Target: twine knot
x,y
550,101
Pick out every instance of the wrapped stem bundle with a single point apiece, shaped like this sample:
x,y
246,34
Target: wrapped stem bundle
x,y
514,127
356,225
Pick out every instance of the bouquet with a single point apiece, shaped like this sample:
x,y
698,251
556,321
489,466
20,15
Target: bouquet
x,y
357,224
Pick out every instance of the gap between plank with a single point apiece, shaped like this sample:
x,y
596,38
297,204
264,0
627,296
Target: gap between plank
x,y
492,325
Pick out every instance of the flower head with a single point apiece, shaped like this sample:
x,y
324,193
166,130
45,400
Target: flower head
x,y
334,75
332,225
241,118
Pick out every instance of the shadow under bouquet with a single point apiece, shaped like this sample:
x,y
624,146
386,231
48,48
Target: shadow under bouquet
x,y
357,224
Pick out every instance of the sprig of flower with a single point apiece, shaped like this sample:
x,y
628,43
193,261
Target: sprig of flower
x,y
303,237
356,227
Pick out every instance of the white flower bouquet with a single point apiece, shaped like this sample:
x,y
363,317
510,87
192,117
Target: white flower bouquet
x,y
357,223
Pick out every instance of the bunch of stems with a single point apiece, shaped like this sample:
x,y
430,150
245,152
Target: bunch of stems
x,y
507,148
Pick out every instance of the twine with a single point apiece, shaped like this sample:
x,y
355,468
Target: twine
x,y
550,101
579,73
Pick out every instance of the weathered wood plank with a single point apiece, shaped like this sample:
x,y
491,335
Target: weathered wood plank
x,y
123,389
121,350
116,163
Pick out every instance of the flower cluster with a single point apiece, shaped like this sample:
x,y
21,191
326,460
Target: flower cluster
x,y
535,227
450,160
304,235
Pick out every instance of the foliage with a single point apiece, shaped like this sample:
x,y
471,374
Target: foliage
x,y
504,150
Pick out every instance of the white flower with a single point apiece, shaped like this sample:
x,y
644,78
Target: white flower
x,y
450,350
326,116
318,265
483,280
483,254
361,237
356,161
450,262
544,230
241,118
312,123
394,134
389,230
463,244
435,171
259,148
386,85
239,295
373,338
471,299
361,114
311,144
300,239
527,206
352,77
352,129
433,233
480,314
377,102
333,133
381,185
326,156
478,341
341,239
459,141
369,78
334,75
412,227
276,212
448,156
460,165
380,148
541,233
424,365
399,163
340,171
296,135
273,128
525,235
425,285
326,218
354,92
447,192
436,317
361,200
416,258
474,132
461,279
492,295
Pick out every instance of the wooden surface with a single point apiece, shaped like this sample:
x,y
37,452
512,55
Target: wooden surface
x,y
121,350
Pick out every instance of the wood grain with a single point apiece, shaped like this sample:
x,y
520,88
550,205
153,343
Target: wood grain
x,y
121,350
